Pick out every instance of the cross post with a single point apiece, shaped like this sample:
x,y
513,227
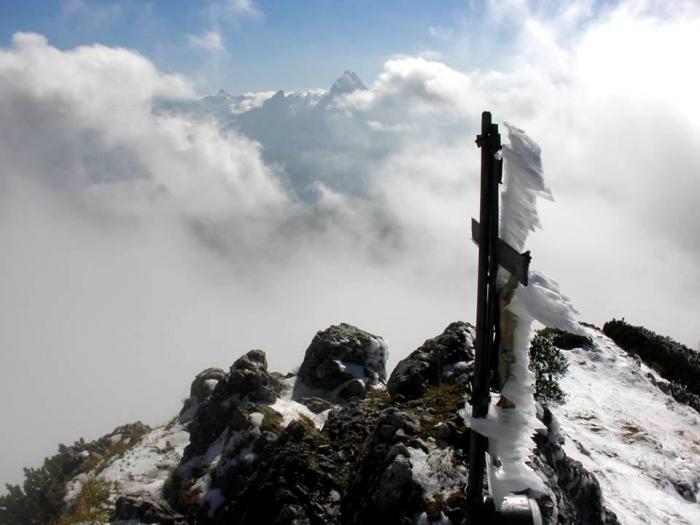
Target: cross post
x,y
493,252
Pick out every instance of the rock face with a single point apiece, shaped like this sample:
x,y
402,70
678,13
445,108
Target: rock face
x,y
248,381
447,357
248,378
395,457
341,363
202,387
383,490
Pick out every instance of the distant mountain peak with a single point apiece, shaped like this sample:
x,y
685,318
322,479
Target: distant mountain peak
x,y
347,83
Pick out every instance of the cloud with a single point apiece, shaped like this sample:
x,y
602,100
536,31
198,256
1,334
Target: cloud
x,y
242,8
92,14
142,247
415,86
441,32
209,41
232,10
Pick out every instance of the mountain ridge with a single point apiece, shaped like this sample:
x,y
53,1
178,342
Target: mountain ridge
x,y
251,446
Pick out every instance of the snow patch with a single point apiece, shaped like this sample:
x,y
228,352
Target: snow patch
x,y
256,418
146,466
291,410
437,471
143,468
439,474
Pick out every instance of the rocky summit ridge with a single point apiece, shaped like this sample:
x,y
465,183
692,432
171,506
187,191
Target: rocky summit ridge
x,y
339,442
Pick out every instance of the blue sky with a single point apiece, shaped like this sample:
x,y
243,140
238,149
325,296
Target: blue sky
x,y
266,45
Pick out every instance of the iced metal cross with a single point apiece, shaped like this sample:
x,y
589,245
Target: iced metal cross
x,y
493,252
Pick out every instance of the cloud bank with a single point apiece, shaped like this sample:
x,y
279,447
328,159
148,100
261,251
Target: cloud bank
x,y
142,246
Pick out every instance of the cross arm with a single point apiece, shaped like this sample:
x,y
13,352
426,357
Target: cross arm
x,y
516,263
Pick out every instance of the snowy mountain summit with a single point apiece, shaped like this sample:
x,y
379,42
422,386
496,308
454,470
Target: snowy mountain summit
x,y
291,127
347,83
344,442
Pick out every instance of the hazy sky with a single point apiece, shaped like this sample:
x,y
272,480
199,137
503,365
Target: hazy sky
x,y
139,248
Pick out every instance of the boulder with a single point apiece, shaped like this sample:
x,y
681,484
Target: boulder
x,y
205,382
249,379
145,509
315,404
201,388
341,363
446,358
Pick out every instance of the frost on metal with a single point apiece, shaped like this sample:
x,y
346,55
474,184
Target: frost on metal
x,y
510,430
524,181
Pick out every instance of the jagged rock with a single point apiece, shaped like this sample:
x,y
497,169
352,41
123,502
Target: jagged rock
x,y
686,490
351,389
349,427
205,382
315,404
383,490
392,420
295,481
201,388
249,378
248,381
146,509
447,357
341,363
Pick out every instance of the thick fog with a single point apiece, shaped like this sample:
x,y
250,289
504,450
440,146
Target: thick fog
x,y
140,247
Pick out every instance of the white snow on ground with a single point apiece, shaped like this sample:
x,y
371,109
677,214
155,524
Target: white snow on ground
x,y
633,437
291,410
146,466
437,472
141,469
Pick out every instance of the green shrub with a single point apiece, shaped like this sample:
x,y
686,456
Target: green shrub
x,y
680,393
91,504
566,340
673,361
39,501
548,364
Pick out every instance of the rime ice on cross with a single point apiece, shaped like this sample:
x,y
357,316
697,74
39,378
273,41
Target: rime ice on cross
x,y
505,312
